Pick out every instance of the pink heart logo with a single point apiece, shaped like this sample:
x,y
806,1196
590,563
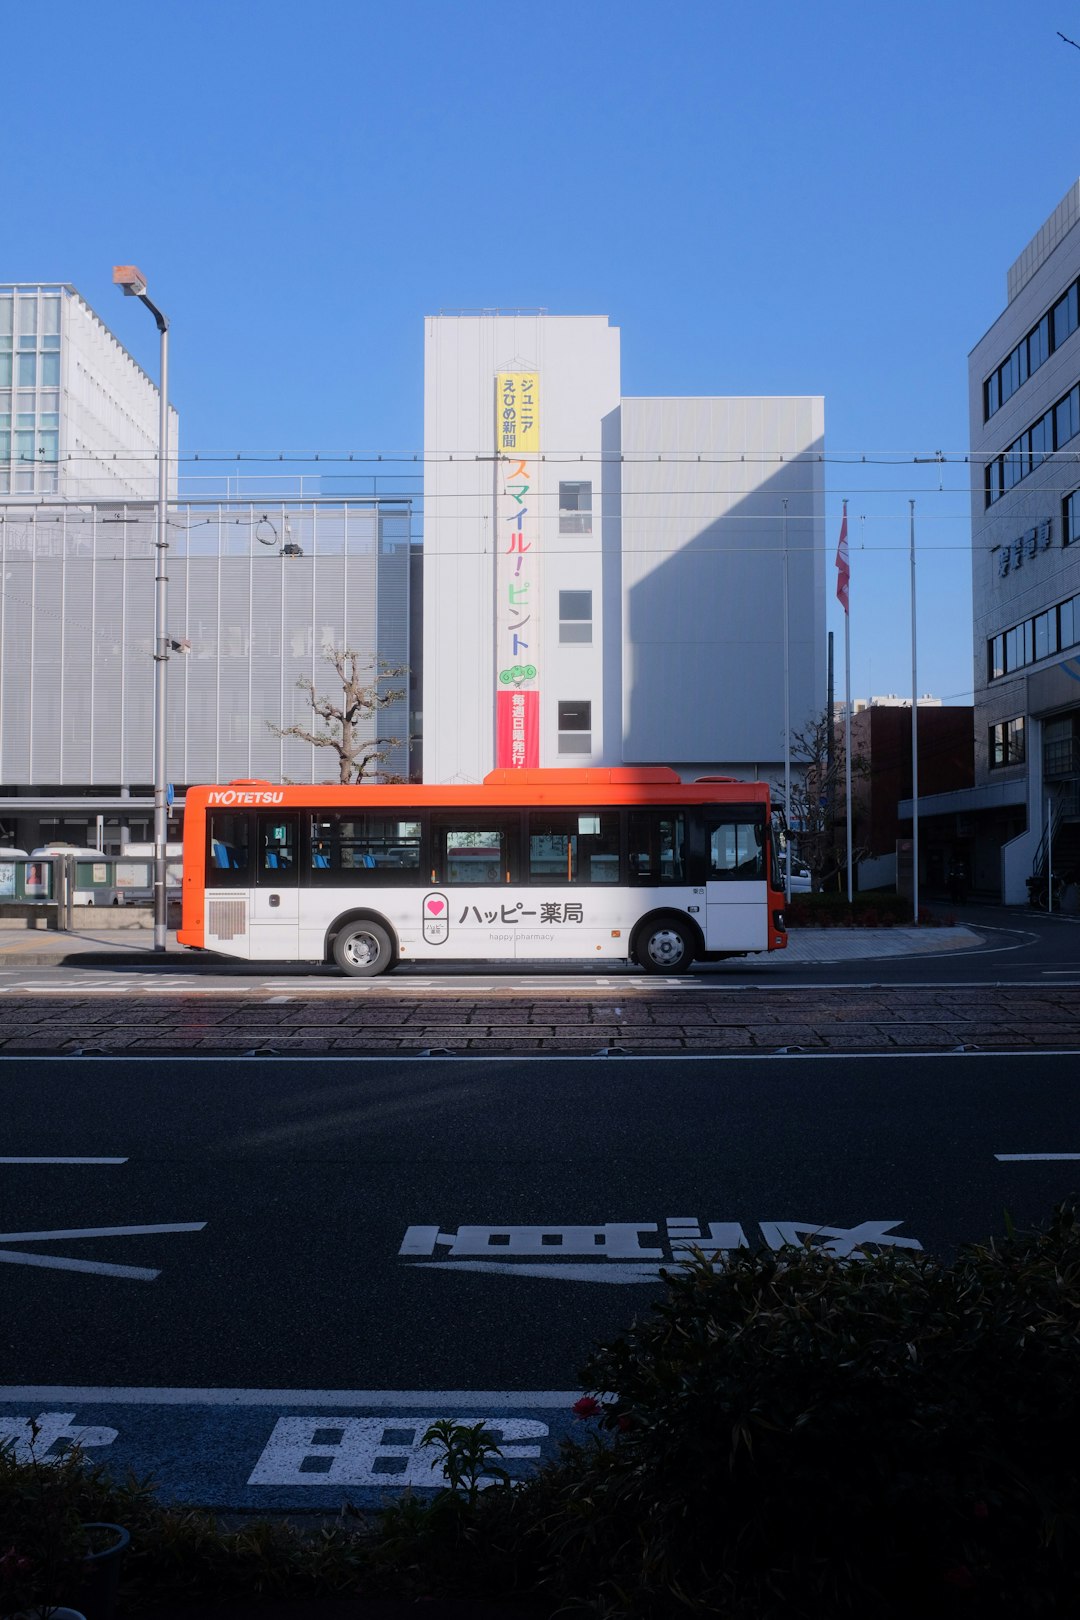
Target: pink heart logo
x,y
435,906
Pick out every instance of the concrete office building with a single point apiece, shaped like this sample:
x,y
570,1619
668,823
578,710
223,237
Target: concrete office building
x,y
1024,388
256,592
78,416
605,576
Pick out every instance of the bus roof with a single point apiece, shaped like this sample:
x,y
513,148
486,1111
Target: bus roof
x,y
583,786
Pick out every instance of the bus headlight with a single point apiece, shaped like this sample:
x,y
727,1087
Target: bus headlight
x,y
778,922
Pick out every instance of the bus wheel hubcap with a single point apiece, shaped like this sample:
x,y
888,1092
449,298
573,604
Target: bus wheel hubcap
x,y
361,950
665,948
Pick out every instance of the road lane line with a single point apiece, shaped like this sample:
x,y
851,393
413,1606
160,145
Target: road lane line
x,y
1023,1158
747,1055
388,1399
62,1161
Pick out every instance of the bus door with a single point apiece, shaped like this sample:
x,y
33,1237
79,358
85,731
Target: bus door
x,y
736,896
474,862
275,906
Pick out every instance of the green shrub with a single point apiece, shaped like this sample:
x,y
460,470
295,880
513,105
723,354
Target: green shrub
x,y
791,1437
871,910
803,1436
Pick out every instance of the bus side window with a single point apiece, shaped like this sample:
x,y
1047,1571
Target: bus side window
x,y
277,848
475,850
364,848
657,846
227,847
736,850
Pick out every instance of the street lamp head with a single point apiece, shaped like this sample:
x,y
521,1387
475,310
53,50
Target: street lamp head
x,y
130,279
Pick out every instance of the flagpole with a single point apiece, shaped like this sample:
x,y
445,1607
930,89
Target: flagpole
x,y
843,591
847,740
787,725
914,734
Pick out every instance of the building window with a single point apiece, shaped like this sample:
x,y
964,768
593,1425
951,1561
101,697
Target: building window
x,y
1007,743
1065,316
1071,514
1061,747
575,508
1046,641
575,616
1030,353
575,728
1052,431
1054,630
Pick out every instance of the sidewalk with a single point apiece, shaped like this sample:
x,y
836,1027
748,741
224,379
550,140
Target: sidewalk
x,y
21,946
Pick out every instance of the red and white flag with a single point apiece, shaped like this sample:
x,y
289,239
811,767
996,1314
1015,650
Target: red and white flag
x,y
843,567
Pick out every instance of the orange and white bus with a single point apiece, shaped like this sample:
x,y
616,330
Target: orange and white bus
x,y
531,865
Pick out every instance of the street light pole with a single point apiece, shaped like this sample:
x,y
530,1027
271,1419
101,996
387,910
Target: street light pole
x,y
132,283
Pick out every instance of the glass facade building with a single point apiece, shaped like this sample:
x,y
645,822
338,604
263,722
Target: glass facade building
x,y
78,416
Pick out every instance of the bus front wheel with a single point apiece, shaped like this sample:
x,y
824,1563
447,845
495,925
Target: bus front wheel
x,y
363,949
664,945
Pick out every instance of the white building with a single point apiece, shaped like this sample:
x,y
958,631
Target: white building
x,y
605,577
78,416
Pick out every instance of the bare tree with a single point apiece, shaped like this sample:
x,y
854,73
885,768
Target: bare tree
x,y
816,816
364,693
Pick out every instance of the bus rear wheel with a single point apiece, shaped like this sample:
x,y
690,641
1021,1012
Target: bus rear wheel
x,y
664,945
363,949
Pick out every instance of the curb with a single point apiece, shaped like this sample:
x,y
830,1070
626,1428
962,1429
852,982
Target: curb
x,y
931,942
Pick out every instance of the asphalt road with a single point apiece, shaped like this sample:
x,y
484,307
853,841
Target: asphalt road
x,y
281,1270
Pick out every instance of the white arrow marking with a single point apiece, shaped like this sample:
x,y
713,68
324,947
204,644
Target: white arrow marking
x,y
99,1267
51,1262
564,1271
99,1231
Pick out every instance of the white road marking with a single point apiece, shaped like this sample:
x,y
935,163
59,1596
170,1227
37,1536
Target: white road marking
x,y
564,1271
748,1056
1020,1158
370,1451
12,1257
62,1161
16,1257
501,1250
386,1399
39,1437
73,994
203,990
99,1231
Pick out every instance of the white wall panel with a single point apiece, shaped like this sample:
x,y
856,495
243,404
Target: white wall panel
x,y
77,637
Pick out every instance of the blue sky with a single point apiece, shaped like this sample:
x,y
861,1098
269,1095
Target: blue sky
x,y
791,198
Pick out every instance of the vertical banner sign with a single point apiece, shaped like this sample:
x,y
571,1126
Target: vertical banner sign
x,y
517,586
